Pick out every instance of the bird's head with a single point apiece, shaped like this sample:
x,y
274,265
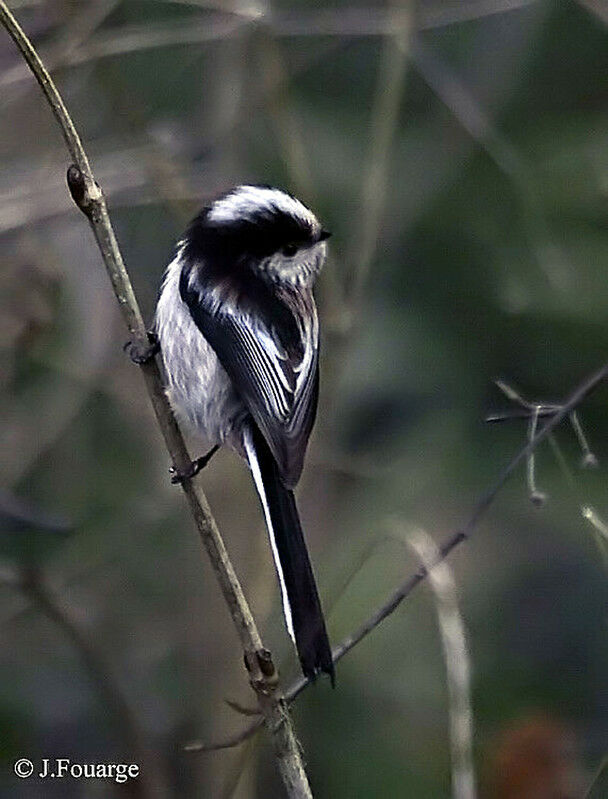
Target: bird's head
x,y
262,229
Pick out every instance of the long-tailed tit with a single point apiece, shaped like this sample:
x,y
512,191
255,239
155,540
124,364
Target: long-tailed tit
x,y
239,335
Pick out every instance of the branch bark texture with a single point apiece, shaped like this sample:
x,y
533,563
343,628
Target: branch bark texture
x,y
89,198
581,392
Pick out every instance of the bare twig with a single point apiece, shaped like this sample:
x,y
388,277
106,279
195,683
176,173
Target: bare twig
x,y
598,524
600,776
227,743
242,709
73,34
89,198
275,82
543,412
478,123
596,7
327,22
452,541
533,411
589,459
537,497
18,515
456,657
130,39
513,395
599,528
375,21
573,401
384,120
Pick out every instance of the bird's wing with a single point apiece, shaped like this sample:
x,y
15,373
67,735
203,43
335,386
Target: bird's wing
x,y
277,382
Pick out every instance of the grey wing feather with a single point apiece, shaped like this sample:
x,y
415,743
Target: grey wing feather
x,y
280,391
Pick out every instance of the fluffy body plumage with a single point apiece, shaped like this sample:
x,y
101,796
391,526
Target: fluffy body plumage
x,y
198,386
239,336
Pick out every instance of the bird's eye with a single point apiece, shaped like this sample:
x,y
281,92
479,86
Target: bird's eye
x,y
290,249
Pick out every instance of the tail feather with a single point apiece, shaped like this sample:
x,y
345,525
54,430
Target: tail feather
x,y
301,604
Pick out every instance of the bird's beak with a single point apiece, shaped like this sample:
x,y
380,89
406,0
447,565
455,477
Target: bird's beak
x,y
324,234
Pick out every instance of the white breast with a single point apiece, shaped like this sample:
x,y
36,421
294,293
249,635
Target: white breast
x,y
198,387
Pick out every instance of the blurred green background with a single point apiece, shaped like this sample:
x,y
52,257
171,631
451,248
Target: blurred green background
x,y
458,151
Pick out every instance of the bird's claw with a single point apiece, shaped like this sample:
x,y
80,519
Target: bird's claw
x,y
195,467
140,355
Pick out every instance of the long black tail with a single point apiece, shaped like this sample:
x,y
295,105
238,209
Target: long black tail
x,y
301,603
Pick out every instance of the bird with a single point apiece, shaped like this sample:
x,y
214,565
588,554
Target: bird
x,y
238,331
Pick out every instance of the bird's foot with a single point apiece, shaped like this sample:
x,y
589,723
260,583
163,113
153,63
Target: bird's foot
x,y
141,355
194,468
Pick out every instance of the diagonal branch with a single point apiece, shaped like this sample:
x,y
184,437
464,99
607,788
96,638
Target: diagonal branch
x,y
89,198
462,534
405,589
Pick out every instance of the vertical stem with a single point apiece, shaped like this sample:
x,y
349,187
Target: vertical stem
x,y
89,198
457,660
384,120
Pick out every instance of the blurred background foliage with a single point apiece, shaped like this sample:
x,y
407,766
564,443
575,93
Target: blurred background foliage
x,y
458,150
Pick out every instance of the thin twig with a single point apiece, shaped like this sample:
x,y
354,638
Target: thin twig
x,y
227,743
600,776
130,39
384,120
596,7
275,82
452,541
478,123
543,412
589,459
599,528
537,498
327,22
89,198
533,411
275,79
19,515
73,34
513,395
456,655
